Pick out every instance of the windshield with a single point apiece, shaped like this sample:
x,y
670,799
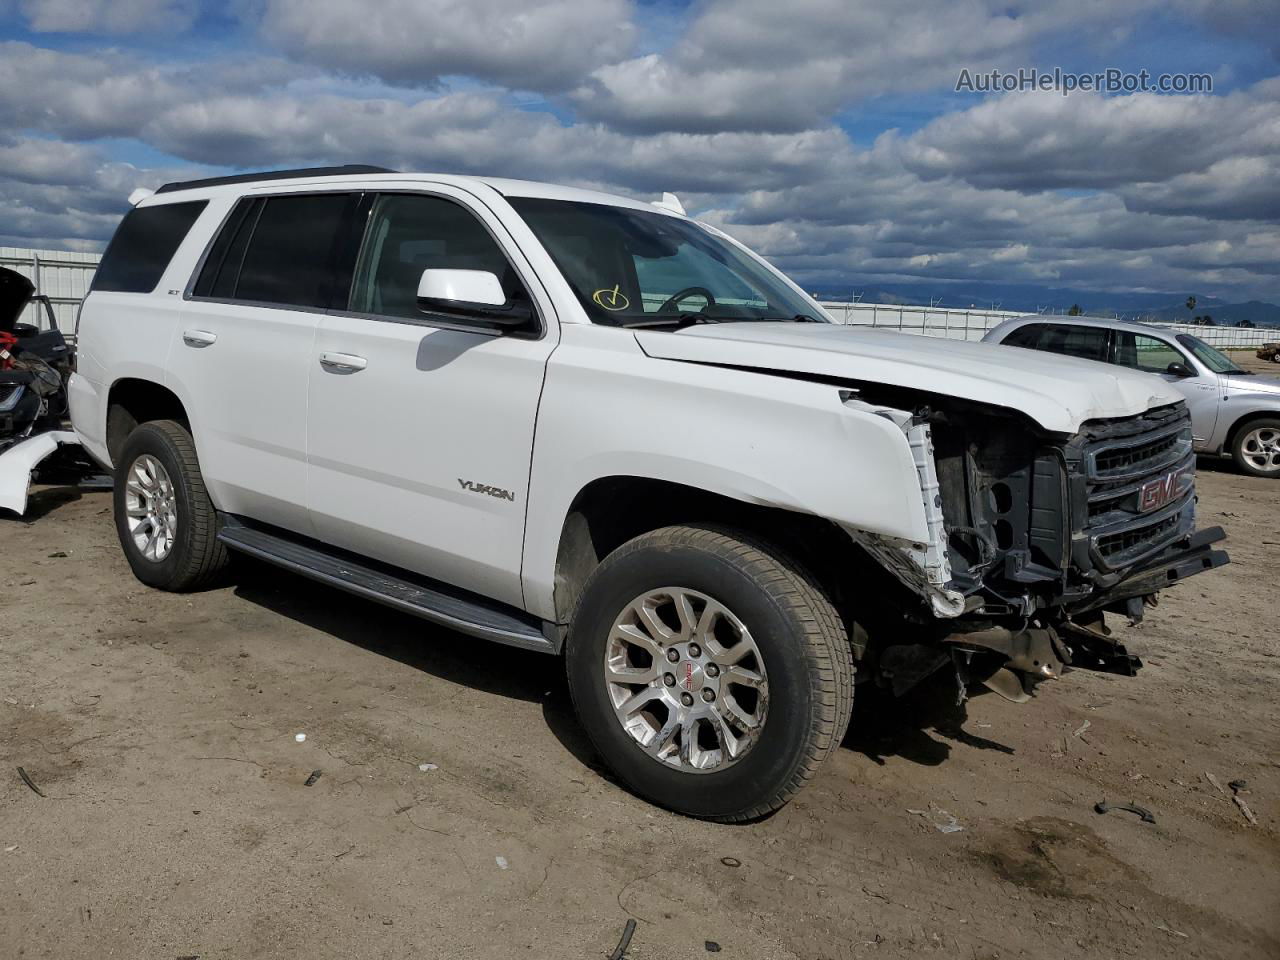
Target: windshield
x,y
1215,360
636,268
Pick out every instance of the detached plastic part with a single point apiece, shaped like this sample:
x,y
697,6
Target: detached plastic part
x,y
17,462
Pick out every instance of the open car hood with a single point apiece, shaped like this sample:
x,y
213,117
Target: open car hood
x,y
1059,393
15,293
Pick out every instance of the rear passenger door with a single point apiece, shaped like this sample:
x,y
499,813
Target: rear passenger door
x,y
244,349
421,428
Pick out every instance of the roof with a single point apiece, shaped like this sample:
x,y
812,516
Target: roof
x,y
1111,323
240,184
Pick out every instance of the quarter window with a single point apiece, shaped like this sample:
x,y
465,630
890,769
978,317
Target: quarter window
x,y
143,245
409,233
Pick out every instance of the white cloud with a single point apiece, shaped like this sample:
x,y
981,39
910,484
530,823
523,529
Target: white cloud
x,y
524,44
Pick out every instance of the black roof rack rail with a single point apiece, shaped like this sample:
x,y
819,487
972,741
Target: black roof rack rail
x,y
347,170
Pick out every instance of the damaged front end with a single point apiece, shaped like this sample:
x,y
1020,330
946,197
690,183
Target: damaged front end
x,y
35,365
1033,537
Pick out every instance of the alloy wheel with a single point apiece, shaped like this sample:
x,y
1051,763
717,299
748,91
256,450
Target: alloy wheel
x,y
151,508
686,680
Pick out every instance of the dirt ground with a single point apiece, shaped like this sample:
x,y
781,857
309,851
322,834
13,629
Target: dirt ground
x,y
177,822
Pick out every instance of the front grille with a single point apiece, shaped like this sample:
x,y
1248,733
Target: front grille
x,y
1117,545
1139,485
1125,460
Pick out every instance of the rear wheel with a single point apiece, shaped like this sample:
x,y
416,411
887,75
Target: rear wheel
x,y
1256,448
164,518
711,672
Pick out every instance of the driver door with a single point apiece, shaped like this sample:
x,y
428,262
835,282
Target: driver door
x,y
420,429
1203,391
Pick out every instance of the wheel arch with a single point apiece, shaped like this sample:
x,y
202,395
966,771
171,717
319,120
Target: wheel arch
x,y
611,510
135,400
1243,420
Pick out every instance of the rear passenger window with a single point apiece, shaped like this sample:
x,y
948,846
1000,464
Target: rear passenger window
x,y
222,265
1088,343
143,245
292,255
1028,336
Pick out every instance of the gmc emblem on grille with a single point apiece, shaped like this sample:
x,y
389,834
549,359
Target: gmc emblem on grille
x,y
1156,493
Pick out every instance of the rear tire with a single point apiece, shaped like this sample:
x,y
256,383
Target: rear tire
x,y
1256,448
748,720
164,518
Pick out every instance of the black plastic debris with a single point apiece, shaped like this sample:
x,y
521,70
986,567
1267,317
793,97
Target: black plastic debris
x,y
1146,815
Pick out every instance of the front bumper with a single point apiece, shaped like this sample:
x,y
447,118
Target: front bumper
x,y
1191,555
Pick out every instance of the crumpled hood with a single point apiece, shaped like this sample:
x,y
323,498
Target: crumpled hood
x,y
1059,393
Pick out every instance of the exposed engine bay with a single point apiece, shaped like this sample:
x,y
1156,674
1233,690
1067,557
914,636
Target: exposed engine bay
x,y
1034,537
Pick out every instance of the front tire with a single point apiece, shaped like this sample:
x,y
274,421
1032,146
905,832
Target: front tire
x,y
711,672
164,518
1256,448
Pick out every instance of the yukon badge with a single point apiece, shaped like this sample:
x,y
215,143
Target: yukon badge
x,y
487,489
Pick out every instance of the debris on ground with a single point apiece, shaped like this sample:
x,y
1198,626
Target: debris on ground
x,y
1079,731
311,780
1244,808
501,862
942,821
300,737
427,767
11,849
1146,815
1238,787
28,781
711,946
731,862
1217,784
621,949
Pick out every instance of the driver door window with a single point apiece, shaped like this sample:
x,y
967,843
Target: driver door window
x,y
410,233
1147,354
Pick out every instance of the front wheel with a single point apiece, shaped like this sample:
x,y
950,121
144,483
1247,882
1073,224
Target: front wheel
x,y
711,673
1256,448
164,518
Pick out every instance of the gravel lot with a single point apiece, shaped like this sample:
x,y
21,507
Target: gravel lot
x,y
177,823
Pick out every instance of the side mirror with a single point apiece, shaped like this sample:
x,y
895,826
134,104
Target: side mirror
x,y
471,296
1176,369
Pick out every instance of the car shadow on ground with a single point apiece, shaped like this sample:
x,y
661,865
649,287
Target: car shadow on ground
x,y
491,668
920,726
42,502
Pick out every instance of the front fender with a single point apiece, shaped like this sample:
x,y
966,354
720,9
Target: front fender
x,y
609,410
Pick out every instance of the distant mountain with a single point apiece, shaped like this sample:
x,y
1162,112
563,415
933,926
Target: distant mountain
x,y
1023,297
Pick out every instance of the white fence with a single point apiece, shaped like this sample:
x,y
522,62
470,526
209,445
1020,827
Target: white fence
x,y
64,278
60,275
973,324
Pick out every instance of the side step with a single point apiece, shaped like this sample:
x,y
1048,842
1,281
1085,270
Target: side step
x,y
421,597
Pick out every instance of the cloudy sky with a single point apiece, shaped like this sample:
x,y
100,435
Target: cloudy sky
x,y
826,134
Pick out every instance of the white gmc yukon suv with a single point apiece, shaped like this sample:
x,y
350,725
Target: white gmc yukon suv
x,y
593,427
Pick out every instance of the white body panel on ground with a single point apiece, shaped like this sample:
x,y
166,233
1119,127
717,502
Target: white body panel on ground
x,y
17,462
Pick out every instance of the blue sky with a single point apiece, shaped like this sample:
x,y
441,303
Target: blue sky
x,y
826,134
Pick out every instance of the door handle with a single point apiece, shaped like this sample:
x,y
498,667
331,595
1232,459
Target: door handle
x,y
198,338
343,362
